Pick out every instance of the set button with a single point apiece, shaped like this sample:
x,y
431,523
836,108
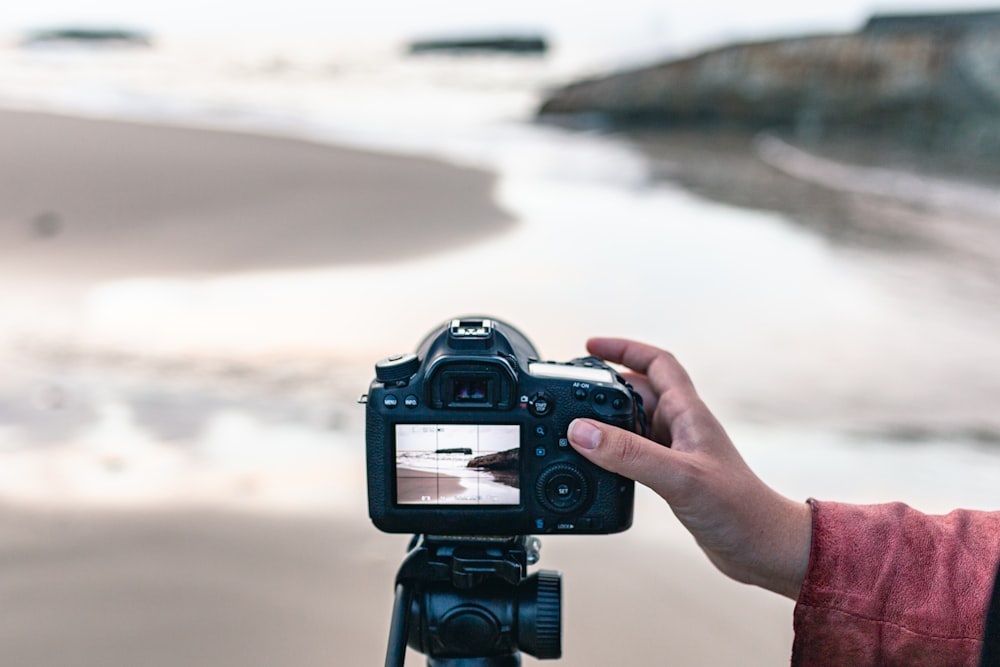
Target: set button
x,y
562,488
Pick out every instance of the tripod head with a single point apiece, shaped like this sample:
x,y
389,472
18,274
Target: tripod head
x,y
468,602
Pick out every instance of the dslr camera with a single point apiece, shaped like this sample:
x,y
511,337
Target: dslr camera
x,y
467,436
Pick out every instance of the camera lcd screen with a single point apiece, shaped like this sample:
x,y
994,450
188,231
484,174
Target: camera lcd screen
x,y
458,464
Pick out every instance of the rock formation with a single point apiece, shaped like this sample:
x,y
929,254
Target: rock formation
x,y
924,79
507,460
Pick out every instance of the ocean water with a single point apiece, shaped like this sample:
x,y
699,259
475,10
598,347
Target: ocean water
x,y
861,373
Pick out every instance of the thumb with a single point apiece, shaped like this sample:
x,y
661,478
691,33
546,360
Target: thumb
x,y
621,451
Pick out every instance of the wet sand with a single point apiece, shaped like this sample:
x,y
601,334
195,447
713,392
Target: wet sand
x,y
98,199
889,198
204,588
421,486
92,589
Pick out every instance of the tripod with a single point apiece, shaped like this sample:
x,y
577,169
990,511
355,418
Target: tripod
x,y
468,602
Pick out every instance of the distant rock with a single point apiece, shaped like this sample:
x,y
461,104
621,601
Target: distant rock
x,y
953,23
508,460
96,36
921,78
513,44
455,450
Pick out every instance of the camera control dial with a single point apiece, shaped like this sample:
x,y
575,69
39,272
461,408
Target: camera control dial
x,y
563,488
397,367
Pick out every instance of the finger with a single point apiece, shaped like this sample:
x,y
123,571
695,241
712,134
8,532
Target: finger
x,y
641,384
666,375
640,357
626,453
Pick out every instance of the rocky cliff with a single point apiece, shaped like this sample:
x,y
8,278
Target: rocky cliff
x,y
507,460
924,80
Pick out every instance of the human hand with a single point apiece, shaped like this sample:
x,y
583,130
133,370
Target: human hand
x,y
749,531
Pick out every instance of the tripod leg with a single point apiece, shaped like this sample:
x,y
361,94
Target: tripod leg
x,y
395,654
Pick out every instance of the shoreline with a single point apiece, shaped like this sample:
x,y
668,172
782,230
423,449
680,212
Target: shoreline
x,y
424,483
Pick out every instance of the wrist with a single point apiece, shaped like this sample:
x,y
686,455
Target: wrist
x,y
775,556
790,542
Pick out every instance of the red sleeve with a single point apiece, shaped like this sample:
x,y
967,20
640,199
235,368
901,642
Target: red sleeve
x,y
888,585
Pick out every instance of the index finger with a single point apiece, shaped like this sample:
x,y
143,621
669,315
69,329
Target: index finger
x,y
666,375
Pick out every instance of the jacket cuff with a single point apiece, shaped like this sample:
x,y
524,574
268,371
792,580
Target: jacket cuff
x,y
889,585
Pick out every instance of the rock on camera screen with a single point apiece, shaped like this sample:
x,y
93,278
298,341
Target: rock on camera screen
x,y
458,464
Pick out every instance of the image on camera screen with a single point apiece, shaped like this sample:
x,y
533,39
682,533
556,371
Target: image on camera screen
x,y
458,464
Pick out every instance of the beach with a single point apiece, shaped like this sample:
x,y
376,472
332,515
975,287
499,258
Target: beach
x,y
415,486
210,587
183,477
117,553
479,487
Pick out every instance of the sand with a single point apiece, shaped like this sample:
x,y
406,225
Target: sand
x,y
420,486
210,587
199,585
99,199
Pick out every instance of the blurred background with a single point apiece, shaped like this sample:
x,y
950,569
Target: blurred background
x,y
214,219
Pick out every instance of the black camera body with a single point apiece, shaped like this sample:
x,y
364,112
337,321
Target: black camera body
x,y
468,437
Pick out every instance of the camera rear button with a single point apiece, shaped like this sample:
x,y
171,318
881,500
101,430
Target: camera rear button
x,y
600,398
410,401
390,401
539,404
